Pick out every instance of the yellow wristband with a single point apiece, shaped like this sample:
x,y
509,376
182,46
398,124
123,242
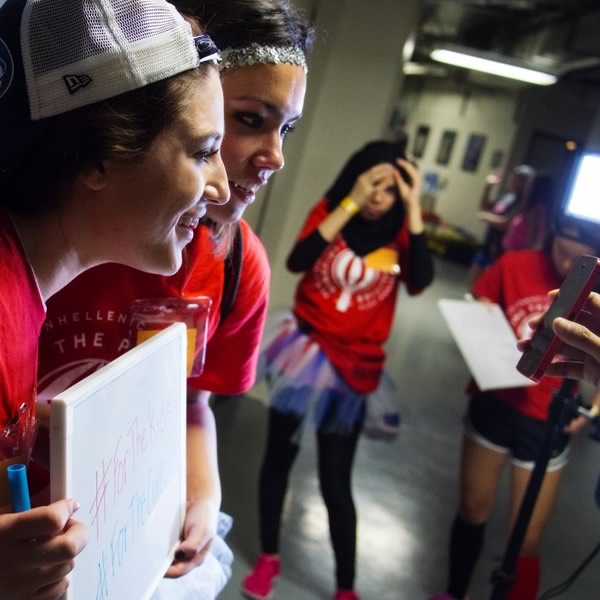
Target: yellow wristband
x,y
349,206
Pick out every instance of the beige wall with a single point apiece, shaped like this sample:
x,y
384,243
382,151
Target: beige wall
x,y
443,105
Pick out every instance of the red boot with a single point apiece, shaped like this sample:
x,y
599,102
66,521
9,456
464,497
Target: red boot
x,y
528,579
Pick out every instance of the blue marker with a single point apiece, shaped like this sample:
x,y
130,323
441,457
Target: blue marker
x,y
19,488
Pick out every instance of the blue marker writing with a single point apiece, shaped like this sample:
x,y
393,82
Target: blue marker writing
x,y
19,488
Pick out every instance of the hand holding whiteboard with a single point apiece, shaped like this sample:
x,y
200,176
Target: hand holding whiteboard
x,y
486,342
117,445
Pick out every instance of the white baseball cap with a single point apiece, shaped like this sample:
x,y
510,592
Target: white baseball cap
x,y
59,55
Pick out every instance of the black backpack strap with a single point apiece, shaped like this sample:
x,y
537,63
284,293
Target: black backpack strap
x,y
233,273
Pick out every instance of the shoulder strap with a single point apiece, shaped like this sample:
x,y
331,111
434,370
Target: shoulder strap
x,y
233,272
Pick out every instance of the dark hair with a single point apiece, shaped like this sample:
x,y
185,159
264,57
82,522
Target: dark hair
x,y
239,23
368,156
364,235
123,127
542,191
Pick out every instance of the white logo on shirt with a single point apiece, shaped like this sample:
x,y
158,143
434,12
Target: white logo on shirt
x,y
341,271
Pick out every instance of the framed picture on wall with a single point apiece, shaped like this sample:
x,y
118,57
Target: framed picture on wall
x,y
473,151
446,144
420,141
497,159
397,121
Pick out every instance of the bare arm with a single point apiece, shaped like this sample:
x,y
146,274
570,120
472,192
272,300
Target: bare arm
x,y
579,423
497,221
486,201
203,486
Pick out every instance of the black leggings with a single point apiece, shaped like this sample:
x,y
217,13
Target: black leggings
x,y
336,455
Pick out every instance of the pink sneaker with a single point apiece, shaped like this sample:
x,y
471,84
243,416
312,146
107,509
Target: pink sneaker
x,y
258,584
346,595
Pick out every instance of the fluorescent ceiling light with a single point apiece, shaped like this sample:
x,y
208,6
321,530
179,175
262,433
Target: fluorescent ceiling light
x,y
413,68
429,68
469,59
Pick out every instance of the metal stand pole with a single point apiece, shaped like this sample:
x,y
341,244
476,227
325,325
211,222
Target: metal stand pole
x,y
563,408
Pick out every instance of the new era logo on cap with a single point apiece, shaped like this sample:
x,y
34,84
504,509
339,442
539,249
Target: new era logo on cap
x,y
68,54
6,68
76,82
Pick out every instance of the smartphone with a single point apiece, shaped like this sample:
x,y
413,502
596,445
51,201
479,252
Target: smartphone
x,y
574,291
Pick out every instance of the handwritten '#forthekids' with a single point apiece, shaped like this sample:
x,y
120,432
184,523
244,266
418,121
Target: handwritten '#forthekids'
x,y
116,470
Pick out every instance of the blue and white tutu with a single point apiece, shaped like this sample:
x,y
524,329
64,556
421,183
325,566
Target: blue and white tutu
x,y
303,382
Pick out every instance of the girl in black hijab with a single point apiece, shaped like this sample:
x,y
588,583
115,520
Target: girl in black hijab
x,y
325,362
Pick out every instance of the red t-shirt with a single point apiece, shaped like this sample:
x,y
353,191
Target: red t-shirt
x,y
349,305
519,282
88,322
21,316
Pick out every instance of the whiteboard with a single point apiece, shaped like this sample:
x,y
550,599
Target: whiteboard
x,y
117,445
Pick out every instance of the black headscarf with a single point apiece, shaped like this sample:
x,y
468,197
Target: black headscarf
x,y
364,235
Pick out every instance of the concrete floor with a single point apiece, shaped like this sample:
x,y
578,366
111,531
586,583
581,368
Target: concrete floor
x,y
405,491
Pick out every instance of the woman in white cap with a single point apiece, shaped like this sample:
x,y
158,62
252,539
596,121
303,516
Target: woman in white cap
x,y
107,155
263,70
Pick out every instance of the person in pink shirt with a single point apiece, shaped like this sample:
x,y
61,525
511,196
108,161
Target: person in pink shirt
x,y
530,228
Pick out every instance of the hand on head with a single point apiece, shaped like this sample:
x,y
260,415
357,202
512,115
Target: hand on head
x,y
410,191
38,548
379,177
579,355
385,176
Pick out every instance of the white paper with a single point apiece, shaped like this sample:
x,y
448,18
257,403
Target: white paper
x,y
486,342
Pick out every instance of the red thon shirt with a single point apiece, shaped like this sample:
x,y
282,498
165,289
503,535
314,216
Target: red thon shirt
x,y
88,321
349,306
519,282
21,315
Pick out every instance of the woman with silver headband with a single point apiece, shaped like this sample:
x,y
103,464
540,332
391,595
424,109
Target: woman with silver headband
x,y
263,72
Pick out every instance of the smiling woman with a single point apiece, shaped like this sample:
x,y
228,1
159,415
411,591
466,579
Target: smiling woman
x,y
175,179
102,173
259,121
259,117
263,74
83,121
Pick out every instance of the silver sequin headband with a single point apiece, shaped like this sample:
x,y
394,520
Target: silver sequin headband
x,y
255,54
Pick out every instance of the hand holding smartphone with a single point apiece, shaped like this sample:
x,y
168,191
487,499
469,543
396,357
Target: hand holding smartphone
x,y
573,293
